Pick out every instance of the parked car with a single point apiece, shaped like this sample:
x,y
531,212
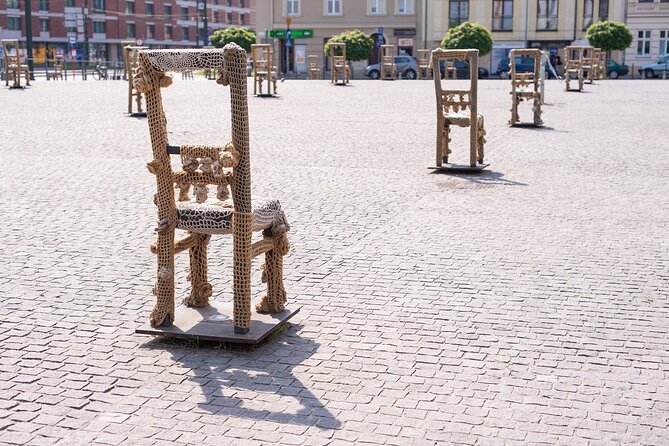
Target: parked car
x,y
462,69
614,70
523,65
656,68
406,65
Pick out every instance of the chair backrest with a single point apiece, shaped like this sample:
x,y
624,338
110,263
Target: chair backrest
x,y
130,58
388,54
338,54
525,78
261,55
11,52
313,62
423,58
456,100
150,76
573,56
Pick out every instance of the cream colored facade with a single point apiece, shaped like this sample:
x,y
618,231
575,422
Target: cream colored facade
x,y
649,23
326,18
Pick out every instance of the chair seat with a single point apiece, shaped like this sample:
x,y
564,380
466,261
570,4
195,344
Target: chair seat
x,y
461,119
215,218
526,91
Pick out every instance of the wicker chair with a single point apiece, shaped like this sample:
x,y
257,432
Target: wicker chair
x,y
457,107
57,65
424,64
131,62
263,69
525,86
314,72
202,216
339,65
573,67
388,62
13,65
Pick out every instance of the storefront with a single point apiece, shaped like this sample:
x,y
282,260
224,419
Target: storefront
x,y
554,49
500,50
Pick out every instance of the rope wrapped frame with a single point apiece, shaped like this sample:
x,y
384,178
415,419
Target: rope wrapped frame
x,y
148,78
521,82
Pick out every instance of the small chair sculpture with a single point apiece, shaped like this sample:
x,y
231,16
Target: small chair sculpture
x,y
588,63
525,86
57,64
459,107
339,65
314,72
13,65
424,64
602,64
201,217
450,72
573,67
263,69
131,62
388,62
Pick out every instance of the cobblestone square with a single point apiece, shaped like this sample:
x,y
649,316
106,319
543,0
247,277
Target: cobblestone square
x,y
527,305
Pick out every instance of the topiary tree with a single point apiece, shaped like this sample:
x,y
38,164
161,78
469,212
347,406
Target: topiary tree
x,y
243,37
468,35
609,36
358,44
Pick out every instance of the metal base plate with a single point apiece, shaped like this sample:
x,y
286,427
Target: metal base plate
x,y
138,115
214,323
526,124
265,95
460,168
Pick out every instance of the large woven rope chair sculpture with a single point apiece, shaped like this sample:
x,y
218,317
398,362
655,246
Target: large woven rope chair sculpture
x,y
339,65
263,69
131,62
525,86
202,216
424,64
458,107
57,65
314,72
573,67
13,66
388,69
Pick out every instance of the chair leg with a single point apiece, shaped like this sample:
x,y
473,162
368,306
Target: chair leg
x,y
514,110
200,287
537,111
242,227
275,299
480,140
163,312
446,150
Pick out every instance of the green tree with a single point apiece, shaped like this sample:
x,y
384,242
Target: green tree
x,y
243,37
609,36
358,44
468,35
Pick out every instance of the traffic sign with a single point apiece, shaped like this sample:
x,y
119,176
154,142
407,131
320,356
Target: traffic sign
x,y
139,42
380,31
288,44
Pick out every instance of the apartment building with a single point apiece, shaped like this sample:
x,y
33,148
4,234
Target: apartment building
x,y
649,22
60,26
315,21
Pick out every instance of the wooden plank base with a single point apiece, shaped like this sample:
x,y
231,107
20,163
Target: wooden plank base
x,y
214,323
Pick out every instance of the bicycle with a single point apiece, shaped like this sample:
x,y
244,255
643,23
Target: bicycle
x,y
100,72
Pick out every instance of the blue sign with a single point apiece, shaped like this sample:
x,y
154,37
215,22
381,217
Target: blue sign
x,y
288,44
380,31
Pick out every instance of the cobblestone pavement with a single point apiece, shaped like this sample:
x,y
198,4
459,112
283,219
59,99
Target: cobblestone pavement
x,y
525,306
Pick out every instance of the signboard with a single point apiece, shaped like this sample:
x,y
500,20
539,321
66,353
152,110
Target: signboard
x,y
404,32
73,53
72,40
405,42
301,58
294,33
139,42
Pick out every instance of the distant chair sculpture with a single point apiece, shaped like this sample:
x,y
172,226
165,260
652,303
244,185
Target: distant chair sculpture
x,y
13,66
131,62
203,216
573,67
314,72
450,71
263,69
388,62
525,86
339,64
459,107
602,64
424,64
57,65
589,63
599,68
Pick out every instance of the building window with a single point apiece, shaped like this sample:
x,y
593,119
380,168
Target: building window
x,y
167,11
377,6
587,14
69,3
150,31
405,6
643,44
99,27
502,15
168,32
292,7
333,7
603,10
98,6
148,8
71,29
242,19
13,23
184,33
547,15
242,3
458,12
646,1
43,5
228,17
664,42
184,13
44,25
130,30
12,4
129,7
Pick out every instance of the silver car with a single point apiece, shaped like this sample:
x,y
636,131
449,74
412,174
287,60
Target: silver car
x,y
404,64
656,68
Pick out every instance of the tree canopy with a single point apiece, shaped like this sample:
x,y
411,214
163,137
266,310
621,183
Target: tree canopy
x,y
243,37
358,44
609,36
468,35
